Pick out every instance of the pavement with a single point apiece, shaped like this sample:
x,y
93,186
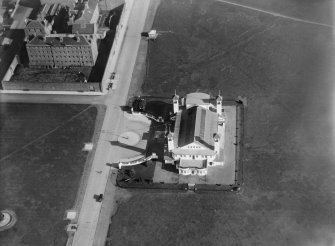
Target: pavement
x,y
87,233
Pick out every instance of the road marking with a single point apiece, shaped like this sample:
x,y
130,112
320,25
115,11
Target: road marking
x,y
276,14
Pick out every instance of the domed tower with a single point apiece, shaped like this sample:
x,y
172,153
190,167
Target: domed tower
x,y
216,138
219,104
175,100
170,142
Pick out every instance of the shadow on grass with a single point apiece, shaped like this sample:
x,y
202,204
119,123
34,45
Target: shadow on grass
x,y
134,148
105,45
170,167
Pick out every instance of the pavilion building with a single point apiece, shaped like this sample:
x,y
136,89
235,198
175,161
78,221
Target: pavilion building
x,y
196,142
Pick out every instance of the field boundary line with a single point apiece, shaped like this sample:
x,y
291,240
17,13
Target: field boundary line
x,y
45,134
276,14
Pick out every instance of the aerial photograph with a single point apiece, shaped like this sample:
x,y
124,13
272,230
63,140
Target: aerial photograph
x,y
167,122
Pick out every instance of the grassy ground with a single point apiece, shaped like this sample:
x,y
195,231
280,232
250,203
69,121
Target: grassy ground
x,y
40,167
284,70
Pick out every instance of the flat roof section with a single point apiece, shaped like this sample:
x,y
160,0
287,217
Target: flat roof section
x,y
197,98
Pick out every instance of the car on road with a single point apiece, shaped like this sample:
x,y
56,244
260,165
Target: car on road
x,y
99,198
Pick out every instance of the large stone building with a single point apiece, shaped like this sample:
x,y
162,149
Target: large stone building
x,y
47,47
62,51
196,142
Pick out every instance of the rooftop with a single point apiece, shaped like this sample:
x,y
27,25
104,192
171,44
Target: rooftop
x,y
85,11
35,24
61,40
196,124
197,98
84,28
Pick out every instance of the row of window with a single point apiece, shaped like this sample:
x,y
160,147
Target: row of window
x,y
57,49
188,171
68,54
80,47
46,54
50,56
36,30
193,147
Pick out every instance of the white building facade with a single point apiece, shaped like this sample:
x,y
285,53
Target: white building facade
x,y
196,141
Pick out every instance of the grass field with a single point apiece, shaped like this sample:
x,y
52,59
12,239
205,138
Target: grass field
x,y
284,69
41,162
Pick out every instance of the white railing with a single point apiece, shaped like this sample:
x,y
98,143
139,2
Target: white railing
x,y
138,161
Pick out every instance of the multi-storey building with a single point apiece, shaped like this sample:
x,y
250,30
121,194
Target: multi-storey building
x,y
48,48
62,51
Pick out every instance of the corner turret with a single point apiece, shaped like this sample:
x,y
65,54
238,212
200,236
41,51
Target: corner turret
x,y
219,104
216,138
175,100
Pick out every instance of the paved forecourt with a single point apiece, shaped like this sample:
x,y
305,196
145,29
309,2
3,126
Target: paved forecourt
x,y
111,129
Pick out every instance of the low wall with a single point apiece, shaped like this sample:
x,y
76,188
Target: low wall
x,y
240,124
35,86
177,187
210,187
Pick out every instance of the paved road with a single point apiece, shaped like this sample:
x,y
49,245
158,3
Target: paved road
x,y
105,153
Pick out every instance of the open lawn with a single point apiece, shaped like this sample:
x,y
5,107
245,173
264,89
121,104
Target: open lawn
x,y
284,69
41,163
